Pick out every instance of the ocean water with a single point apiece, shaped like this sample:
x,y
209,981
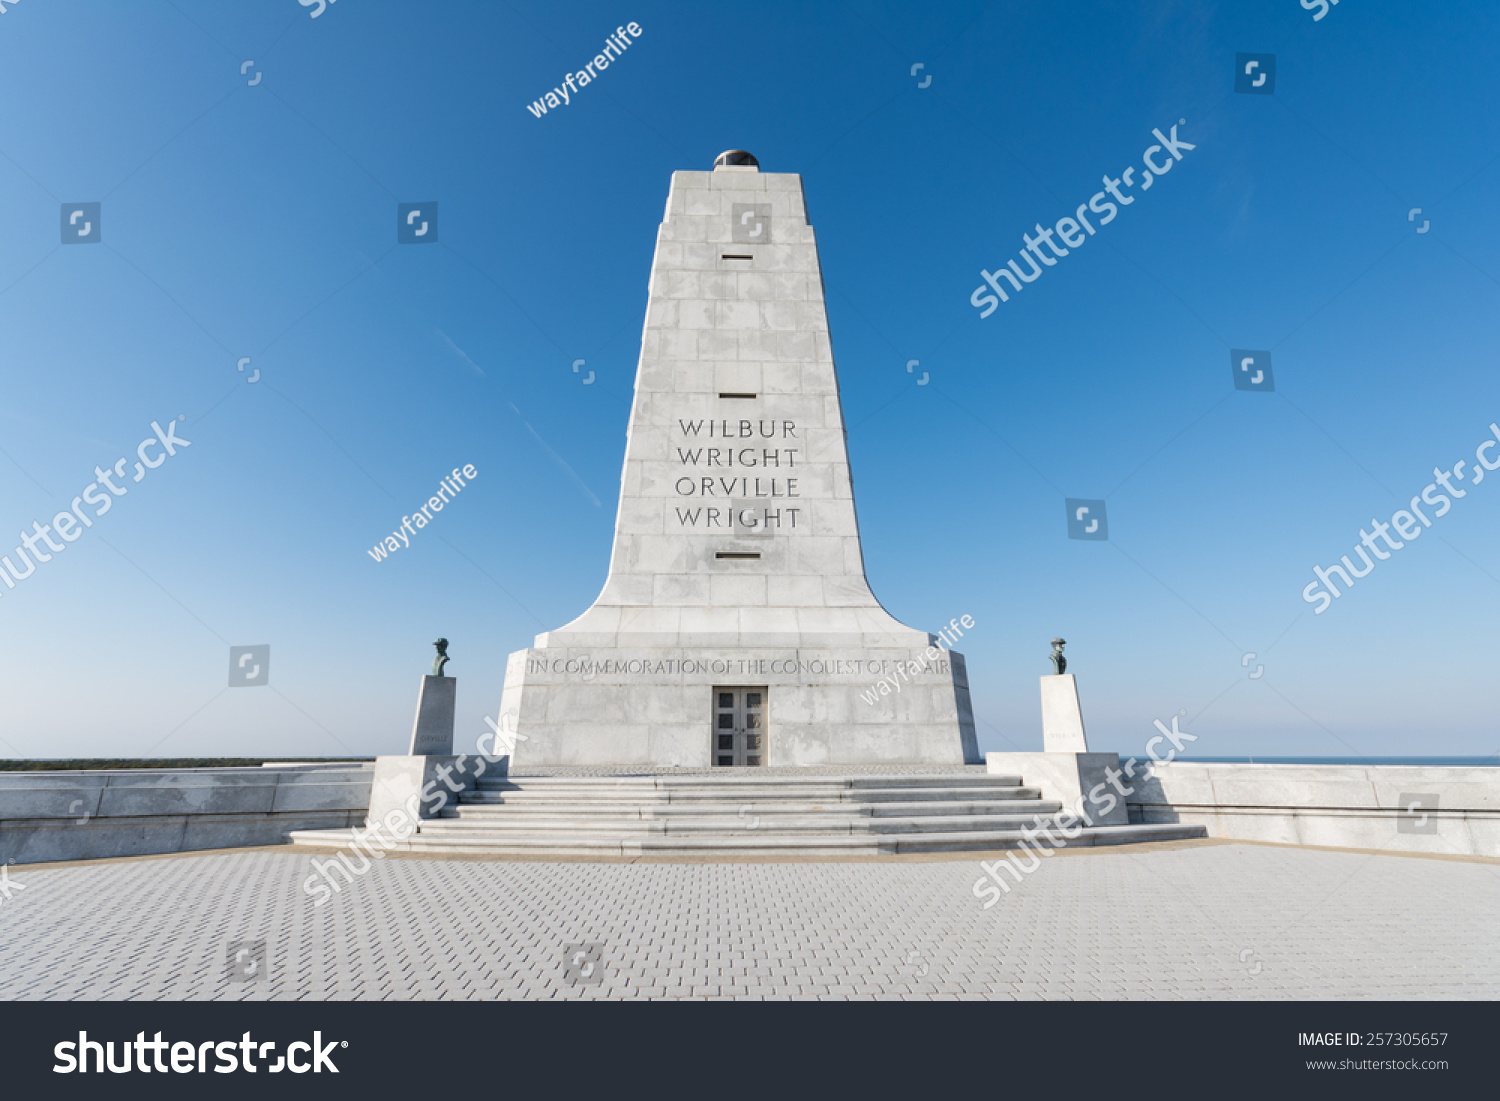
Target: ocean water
x,y
1492,761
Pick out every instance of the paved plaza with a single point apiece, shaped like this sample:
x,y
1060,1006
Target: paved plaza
x,y
1178,920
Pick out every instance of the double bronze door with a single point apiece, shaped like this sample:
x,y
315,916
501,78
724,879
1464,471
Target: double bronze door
x,y
739,726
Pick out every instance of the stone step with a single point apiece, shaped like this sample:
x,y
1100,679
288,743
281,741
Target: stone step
x,y
832,825
516,795
732,809
738,815
783,845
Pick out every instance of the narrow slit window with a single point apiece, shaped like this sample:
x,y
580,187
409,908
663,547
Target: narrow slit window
x,y
748,397
736,256
737,555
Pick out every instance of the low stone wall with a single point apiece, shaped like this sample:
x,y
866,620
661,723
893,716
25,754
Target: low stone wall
x,y
1344,806
48,816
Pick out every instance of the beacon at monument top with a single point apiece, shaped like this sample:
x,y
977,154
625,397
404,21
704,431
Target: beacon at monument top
x,y
736,158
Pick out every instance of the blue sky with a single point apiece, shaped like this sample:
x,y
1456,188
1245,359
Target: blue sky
x,y
257,220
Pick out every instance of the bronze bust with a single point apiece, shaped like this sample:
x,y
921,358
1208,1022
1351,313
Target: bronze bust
x,y
1059,663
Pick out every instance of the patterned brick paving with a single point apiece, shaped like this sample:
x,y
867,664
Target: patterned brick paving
x,y
1196,920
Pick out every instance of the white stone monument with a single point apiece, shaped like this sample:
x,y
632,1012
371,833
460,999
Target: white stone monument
x,y
736,626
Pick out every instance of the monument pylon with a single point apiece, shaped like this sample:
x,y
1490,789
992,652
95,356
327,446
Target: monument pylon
x,y
736,626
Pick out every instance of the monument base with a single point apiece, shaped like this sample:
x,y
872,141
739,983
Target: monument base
x,y
696,708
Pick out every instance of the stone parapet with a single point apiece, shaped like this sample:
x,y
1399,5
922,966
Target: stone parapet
x,y
83,815
1396,808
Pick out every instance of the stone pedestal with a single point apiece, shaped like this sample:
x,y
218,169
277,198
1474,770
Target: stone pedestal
x,y
423,782
1062,716
421,786
1077,780
432,733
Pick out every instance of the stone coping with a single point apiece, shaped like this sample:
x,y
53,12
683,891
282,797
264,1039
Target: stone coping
x,y
19,777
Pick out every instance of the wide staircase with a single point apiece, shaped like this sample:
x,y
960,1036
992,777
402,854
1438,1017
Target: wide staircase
x,y
727,813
